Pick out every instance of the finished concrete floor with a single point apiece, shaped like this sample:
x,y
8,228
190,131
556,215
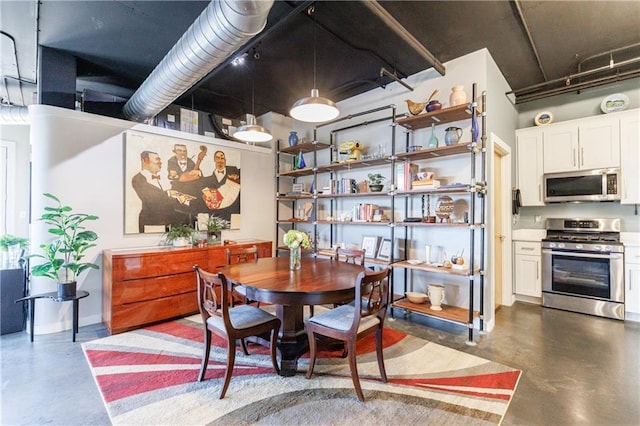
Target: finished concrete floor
x,y
577,369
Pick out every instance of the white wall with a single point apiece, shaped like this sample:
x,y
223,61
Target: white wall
x,y
567,107
79,158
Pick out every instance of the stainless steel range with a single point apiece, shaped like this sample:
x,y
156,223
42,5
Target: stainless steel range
x,y
583,267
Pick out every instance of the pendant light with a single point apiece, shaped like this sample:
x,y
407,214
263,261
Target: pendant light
x,y
251,132
314,109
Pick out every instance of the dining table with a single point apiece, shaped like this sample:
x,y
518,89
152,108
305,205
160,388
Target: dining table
x,y
318,281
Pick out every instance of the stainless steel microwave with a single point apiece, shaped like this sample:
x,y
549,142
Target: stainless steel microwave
x,y
583,185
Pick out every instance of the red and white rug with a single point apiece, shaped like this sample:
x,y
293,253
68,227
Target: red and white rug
x,y
148,376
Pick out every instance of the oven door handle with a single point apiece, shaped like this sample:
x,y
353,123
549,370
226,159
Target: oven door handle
x,y
612,256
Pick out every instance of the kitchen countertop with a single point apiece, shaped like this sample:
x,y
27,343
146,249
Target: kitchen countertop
x,y
630,238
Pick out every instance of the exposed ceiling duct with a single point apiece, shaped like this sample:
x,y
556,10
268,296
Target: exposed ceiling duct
x,y
222,28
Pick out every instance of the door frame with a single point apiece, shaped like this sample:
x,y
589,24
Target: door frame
x,y
502,190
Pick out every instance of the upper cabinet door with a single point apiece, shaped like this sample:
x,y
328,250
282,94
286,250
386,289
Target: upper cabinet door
x,y
529,154
599,142
630,156
560,148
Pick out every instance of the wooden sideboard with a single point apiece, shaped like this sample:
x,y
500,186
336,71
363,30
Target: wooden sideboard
x,y
143,286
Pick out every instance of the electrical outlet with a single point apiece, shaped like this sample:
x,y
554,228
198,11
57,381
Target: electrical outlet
x,y
537,218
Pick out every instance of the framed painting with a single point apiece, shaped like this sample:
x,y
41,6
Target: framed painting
x,y
170,181
384,252
370,246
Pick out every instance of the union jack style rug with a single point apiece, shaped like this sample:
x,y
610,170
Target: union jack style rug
x,y
148,376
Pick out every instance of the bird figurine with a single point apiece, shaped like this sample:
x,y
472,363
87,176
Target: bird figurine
x,y
415,108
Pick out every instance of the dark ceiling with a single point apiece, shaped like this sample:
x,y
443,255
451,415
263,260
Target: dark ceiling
x,y
118,43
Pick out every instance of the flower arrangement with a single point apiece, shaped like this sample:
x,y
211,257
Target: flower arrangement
x,y
295,239
216,223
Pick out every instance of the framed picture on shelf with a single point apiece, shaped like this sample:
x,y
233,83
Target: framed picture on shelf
x,y
384,252
370,246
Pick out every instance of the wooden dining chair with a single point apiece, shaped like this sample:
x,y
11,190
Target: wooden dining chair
x,y
349,323
241,255
230,323
354,256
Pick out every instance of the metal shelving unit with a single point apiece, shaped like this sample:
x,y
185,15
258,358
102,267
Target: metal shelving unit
x,y
476,189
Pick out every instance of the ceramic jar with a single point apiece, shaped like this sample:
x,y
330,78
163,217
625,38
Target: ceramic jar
x,y
457,96
452,135
293,139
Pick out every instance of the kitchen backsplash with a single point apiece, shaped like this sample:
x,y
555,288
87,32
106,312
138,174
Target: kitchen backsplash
x,y
628,214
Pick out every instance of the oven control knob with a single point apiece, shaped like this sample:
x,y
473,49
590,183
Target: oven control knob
x,y
552,245
598,248
579,246
560,245
606,248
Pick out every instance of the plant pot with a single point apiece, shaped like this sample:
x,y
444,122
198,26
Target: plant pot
x,y
181,242
376,188
214,237
67,290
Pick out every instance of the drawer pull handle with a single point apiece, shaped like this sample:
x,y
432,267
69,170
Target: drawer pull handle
x,y
527,248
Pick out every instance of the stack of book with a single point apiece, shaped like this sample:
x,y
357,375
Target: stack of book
x,y
365,212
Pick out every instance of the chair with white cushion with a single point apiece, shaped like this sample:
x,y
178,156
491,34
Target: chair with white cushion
x,y
230,323
348,323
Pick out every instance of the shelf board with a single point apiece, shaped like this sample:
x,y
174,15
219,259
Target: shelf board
x,y
304,147
348,165
294,197
436,269
419,191
337,222
448,313
297,173
432,224
441,116
293,221
433,153
357,194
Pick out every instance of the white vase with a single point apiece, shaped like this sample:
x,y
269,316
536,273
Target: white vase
x,y
436,296
457,96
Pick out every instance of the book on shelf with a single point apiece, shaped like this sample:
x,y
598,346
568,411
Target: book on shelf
x,y
425,184
405,174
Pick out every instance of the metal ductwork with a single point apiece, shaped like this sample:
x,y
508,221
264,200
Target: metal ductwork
x,y
10,114
222,28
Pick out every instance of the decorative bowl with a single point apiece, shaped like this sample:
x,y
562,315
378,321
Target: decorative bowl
x,y
416,297
434,106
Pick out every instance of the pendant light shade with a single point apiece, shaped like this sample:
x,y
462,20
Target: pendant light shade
x,y
314,109
252,132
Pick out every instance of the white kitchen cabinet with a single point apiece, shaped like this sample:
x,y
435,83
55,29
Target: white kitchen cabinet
x,y
632,283
528,268
560,147
529,166
630,156
599,142
584,144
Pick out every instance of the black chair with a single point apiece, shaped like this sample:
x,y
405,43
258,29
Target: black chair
x,y
350,322
231,323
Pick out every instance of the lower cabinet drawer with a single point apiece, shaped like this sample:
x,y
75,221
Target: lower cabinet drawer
x,y
153,288
136,315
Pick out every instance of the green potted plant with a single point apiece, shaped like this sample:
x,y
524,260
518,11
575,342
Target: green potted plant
x,y
13,246
375,182
214,229
62,256
180,235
